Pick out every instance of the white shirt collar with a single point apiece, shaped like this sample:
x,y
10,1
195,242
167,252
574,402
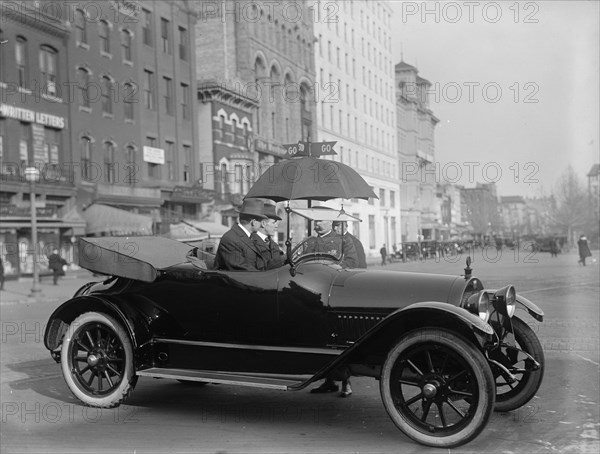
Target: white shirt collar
x,y
262,235
245,230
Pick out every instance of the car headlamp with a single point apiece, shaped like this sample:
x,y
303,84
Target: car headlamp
x,y
479,304
508,295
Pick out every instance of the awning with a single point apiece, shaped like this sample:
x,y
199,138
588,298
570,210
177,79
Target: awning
x,y
212,228
183,231
103,219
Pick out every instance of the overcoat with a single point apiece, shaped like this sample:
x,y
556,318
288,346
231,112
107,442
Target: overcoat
x,y
238,252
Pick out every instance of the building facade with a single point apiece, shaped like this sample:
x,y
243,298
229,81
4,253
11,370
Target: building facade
x,y
133,123
34,131
263,54
421,211
355,108
480,208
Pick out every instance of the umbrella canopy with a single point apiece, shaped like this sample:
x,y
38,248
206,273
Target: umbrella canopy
x,y
310,178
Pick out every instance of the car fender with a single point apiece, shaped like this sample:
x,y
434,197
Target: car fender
x,y
372,347
141,319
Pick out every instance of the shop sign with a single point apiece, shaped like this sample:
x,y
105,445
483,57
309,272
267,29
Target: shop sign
x,y
193,193
154,155
26,115
268,147
25,212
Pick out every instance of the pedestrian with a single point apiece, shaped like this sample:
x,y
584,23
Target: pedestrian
x,y
554,247
56,264
238,249
1,274
584,249
383,252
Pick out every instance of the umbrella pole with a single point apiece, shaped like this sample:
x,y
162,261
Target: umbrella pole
x,y
288,242
308,220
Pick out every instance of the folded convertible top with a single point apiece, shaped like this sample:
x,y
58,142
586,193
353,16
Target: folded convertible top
x,y
133,257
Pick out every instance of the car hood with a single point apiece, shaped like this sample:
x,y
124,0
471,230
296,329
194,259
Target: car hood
x,y
392,289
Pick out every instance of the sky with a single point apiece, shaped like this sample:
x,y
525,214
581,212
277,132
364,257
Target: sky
x,y
515,86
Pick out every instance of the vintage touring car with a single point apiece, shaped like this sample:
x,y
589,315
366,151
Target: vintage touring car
x,y
445,350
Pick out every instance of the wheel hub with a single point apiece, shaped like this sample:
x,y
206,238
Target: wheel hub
x,y
429,390
92,360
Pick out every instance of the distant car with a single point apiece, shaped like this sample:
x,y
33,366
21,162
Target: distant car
x,y
445,351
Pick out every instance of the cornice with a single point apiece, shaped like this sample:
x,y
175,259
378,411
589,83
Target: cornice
x,y
214,91
37,20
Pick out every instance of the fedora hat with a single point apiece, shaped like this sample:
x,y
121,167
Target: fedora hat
x,y
270,212
253,207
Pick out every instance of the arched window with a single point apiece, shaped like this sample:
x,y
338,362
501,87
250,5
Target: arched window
x,y
80,26
48,60
107,88
109,161
131,166
21,61
85,149
83,82
104,35
128,100
126,39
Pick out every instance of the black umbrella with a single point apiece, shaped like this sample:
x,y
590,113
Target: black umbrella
x,y
310,178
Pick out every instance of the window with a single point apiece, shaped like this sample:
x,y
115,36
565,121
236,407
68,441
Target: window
x,y
24,143
53,144
109,162
149,89
187,156
107,88
80,27
371,201
83,80
48,70
104,35
153,169
382,197
170,155
392,199
131,165
86,157
147,27
183,44
185,99
168,95
128,100
21,61
371,231
165,26
126,45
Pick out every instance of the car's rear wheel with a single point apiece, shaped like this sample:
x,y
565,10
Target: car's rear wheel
x,y
97,360
510,396
437,388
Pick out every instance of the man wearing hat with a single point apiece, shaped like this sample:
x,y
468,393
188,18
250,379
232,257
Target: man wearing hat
x,y
329,242
268,230
239,249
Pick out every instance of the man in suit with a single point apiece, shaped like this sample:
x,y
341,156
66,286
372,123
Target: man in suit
x,y
238,249
329,242
56,263
268,230
340,228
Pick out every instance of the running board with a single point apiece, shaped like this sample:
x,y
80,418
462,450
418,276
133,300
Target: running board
x,y
228,378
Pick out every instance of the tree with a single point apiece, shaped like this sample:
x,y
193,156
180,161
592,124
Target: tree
x,y
570,214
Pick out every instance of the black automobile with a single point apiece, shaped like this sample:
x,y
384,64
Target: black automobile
x,y
445,350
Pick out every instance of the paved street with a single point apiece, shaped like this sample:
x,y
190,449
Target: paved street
x,y
39,414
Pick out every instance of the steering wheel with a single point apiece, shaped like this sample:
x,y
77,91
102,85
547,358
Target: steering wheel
x,y
310,256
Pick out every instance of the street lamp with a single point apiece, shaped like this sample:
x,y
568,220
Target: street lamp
x,y
32,174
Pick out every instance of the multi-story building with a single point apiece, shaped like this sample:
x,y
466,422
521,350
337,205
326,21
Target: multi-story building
x,y
259,53
481,210
515,216
355,108
416,154
133,127
34,131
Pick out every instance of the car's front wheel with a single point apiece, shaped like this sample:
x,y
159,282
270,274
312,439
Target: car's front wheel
x,y
437,388
97,360
510,396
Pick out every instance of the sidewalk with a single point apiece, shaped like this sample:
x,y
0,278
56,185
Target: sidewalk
x,y
19,291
